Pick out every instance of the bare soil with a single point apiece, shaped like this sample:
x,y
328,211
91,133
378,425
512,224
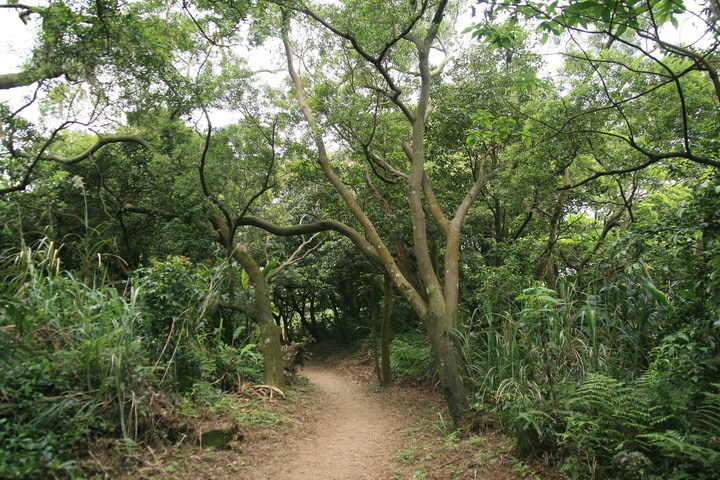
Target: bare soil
x,y
353,436
343,428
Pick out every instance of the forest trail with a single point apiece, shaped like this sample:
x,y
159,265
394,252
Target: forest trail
x,y
353,434
344,428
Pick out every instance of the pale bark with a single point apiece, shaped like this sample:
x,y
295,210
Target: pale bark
x,y
34,160
270,332
23,79
438,304
383,254
100,143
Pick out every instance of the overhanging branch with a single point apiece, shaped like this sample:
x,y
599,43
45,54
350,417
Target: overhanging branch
x,y
102,141
311,228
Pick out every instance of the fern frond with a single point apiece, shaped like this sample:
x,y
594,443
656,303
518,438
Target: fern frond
x,y
598,391
707,415
675,445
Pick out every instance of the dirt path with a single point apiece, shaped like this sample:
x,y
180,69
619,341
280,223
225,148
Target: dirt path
x,y
342,430
353,436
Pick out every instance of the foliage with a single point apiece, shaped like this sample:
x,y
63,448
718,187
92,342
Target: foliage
x,y
589,253
550,372
73,365
188,331
640,429
410,356
78,360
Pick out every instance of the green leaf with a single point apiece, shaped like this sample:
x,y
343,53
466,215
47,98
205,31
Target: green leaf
x,y
548,299
271,266
245,279
656,294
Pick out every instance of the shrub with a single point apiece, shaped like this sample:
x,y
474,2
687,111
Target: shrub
x,y
410,356
71,367
78,362
187,331
570,378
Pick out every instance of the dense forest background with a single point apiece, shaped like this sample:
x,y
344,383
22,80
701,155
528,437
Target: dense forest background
x,y
515,200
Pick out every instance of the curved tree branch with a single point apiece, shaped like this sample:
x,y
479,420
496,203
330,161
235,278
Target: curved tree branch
x,y
25,78
299,254
310,228
102,141
375,246
618,171
376,61
229,217
419,185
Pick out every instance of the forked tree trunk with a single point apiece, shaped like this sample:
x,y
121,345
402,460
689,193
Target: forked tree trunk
x,y
437,301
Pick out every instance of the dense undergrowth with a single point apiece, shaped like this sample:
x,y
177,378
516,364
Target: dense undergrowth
x,y
565,379
618,381
82,360
614,374
553,374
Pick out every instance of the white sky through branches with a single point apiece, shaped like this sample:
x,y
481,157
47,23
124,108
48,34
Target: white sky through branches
x,y
16,41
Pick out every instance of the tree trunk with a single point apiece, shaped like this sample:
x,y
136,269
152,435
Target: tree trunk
x,y
313,313
385,334
311,329
270,333
546,269
273,372
284,319
439,307
449,361
374,339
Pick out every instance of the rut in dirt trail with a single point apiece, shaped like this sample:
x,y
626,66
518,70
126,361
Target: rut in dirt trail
x,y
354,437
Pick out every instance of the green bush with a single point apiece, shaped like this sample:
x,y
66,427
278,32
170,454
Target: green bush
x,y
71,367
570,378
185,328
78,362
410,356
641,429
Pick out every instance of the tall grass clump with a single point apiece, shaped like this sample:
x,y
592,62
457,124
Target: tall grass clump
x,y
80,362
594,381
72,365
